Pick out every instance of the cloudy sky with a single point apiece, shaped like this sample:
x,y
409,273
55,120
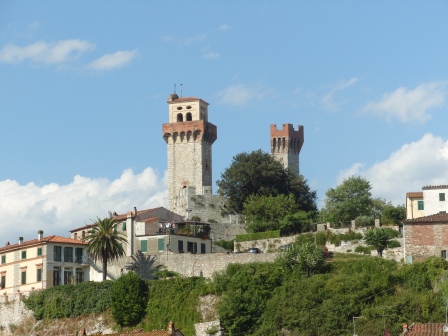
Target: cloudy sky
x,y
83,89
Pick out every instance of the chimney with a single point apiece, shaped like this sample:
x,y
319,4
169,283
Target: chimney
x,y
135,209
40,234
171,329
20,240
110,214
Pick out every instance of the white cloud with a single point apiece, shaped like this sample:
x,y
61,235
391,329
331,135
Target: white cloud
x,y
43,52
241,94
56,209
211,55
224,27
192,40
329,101
410,105
113,61
414,165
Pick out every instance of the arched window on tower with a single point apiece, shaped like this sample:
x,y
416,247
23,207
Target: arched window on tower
x,y
180,117
189,116
274,144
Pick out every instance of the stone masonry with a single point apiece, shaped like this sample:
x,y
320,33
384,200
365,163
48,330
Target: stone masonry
x,y
286,145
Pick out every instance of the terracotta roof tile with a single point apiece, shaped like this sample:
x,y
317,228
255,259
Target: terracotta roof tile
x,y
435,187
436,218
428,329
414,194
44,240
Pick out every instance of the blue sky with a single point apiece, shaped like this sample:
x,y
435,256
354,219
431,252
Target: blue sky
x,y
83,89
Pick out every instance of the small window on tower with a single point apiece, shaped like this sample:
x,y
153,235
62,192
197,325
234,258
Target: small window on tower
x,y
179,108
189,118
180,117
188,107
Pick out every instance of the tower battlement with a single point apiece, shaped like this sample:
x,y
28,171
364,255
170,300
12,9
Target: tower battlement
x,y
286,144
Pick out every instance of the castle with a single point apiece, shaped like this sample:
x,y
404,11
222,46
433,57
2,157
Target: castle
x,y
189,137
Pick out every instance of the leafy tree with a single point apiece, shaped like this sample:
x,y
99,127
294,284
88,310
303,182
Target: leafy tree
x,y
105,242
258,173
264,213
306,257
393,214
350,199
129,296
380,239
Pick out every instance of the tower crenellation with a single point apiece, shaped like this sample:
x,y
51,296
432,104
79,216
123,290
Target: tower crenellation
x,y
286,144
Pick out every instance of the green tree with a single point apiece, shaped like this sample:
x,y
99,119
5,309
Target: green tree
x,y
306,257
350,199
380,239
258,173
129,296
105,242
264,213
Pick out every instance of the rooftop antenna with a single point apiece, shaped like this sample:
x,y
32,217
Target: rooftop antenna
x,y
181,90
174,88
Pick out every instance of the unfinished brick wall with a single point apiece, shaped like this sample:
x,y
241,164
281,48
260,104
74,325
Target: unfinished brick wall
x,y
424,240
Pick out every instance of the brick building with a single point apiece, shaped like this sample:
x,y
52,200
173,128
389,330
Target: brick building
x,y
426,236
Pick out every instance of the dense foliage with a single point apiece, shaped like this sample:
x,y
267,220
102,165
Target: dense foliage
x,y
174,299
257,236
70,300
258,173
129,296
381,239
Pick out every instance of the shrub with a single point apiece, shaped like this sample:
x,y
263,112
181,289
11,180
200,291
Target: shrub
x,y
196,219
257,236
129,296
226,244
211,220
364,249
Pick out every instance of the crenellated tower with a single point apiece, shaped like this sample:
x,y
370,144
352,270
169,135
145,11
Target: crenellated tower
x,y
286,145
189,137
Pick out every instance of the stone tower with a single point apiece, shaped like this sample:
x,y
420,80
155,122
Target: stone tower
x,y
286,145
189,137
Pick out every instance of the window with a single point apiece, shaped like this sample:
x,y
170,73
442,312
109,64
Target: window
x,y
68,254
202,248
192,247
75,236
78,255
442,197
3,259
23,278
67,276
123,226
189,117
144,246
180,117
79,275
420,205
115,228
39,251
3,281
56,277
23,255
161,244
57,253
39,274
180,245
443,254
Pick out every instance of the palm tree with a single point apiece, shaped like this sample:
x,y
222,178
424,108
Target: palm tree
x,y
105,243
379,239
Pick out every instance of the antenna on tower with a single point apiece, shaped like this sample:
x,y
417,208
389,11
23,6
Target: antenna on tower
x,y
181,90
174,87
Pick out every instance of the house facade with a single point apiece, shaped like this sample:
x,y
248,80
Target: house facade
x,y
425,236
42,263
430,201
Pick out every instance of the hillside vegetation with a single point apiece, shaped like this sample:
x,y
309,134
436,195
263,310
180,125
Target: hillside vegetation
x,y
268,298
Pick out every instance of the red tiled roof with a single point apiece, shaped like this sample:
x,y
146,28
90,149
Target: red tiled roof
x,y
44,240
428,329
435,187
414,194
436,218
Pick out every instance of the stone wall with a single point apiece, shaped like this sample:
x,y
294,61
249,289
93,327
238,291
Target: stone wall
x,y
207,264
12,313
265,245
424,240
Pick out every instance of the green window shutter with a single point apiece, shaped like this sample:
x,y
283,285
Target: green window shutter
x,y
39,274
441,197
420,205
3,259
123,227
161,244
23,254
39,251
23,278
115,229
144,245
